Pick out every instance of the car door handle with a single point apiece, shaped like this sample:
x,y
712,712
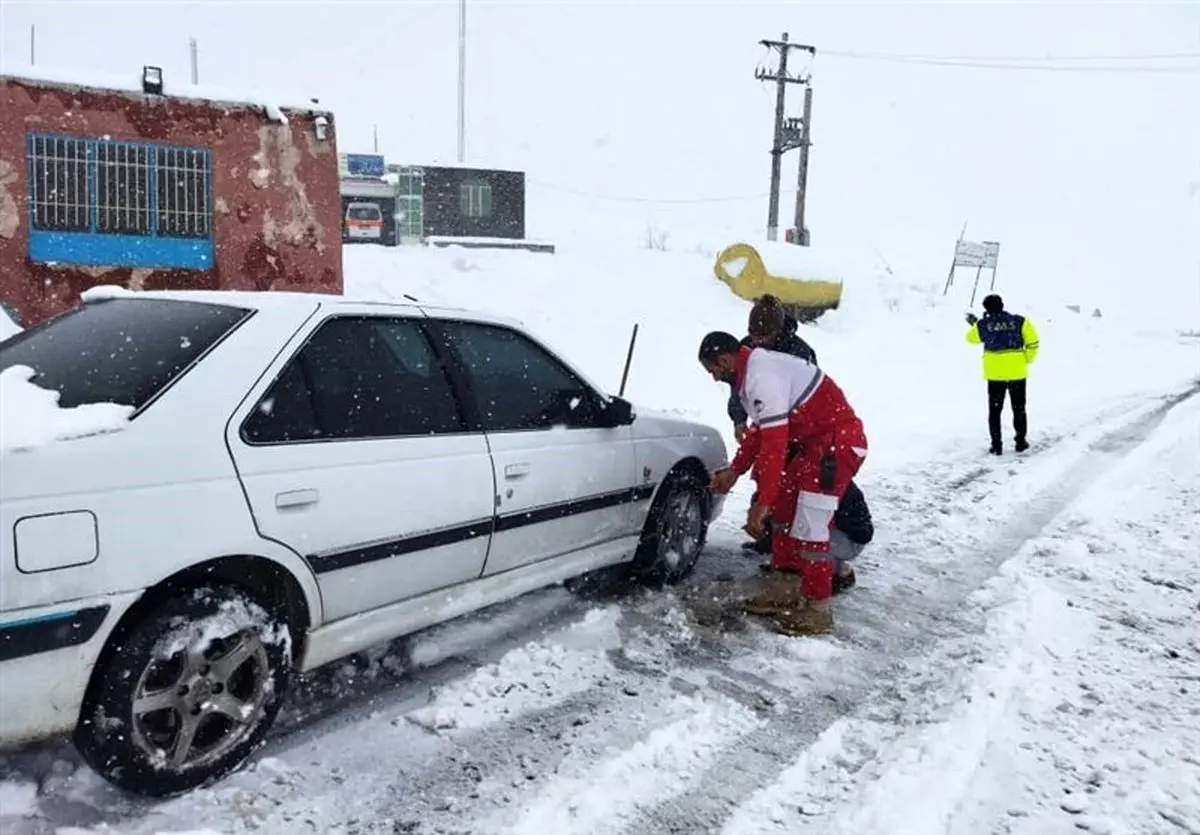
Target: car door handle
x,y
516,471
296,498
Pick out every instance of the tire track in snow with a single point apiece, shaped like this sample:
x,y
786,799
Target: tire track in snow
x,y
605,798
485,769
932,740
740,775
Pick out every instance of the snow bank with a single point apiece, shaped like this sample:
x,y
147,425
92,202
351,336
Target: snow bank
x,y
272,105
18,799
30,416
7,326
896,344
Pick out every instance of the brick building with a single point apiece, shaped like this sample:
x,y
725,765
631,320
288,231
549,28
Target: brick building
x,y
121,184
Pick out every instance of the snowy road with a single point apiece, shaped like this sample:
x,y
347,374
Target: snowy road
x,y
1021,656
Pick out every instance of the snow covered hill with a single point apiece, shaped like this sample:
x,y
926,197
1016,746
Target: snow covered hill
x,y
1020,655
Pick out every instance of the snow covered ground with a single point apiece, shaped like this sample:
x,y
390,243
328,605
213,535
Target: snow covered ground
x,y
1021,655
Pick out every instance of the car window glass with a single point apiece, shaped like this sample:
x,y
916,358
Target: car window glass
x,y
363,378
119,350
286,413
517,384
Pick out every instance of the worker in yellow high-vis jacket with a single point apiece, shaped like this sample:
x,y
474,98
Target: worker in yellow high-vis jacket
x,y
1010,345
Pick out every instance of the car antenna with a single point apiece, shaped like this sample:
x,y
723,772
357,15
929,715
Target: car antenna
x,y
412,298
628,360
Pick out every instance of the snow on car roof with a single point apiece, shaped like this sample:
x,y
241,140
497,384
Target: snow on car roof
x,y
282,298
177,88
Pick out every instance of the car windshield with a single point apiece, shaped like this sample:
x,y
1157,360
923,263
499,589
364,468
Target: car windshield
x,y
122,351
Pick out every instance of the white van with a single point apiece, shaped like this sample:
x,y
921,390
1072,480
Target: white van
x,y
364,221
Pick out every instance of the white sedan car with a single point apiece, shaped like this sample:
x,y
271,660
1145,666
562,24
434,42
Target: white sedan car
x,y
302,477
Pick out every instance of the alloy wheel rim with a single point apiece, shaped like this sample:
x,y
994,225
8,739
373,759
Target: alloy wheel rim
x,y
193,706
682,527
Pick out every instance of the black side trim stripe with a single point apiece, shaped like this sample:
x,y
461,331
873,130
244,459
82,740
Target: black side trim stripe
x,y
337,560
47,633
562,510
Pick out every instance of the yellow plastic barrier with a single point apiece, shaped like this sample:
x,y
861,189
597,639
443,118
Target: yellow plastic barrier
x,y
742,268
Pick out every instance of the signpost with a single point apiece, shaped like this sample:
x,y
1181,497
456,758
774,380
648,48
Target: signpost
x,y
982,255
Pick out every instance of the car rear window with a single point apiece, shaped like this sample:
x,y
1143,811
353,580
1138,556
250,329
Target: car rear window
x,y
122,351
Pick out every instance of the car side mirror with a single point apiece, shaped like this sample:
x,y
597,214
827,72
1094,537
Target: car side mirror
x,y
617,412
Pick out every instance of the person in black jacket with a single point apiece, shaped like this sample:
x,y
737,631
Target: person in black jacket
x,y
773,328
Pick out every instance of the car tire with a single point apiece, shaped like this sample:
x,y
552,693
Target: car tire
x,y
675,533
209,668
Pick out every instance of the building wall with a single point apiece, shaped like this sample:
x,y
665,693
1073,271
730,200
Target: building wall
x,y
272,204
450,192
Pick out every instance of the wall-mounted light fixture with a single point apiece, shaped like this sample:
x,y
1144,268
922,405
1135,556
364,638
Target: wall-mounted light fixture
x,y
152,81
321,128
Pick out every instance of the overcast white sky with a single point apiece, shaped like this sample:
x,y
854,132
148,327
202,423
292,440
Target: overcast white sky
x,y
619,111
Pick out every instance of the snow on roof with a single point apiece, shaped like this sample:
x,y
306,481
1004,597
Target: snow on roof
x,y
464,166
274,106
31,417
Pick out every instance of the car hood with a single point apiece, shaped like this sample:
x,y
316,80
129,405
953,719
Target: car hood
x,y
692,436
661,422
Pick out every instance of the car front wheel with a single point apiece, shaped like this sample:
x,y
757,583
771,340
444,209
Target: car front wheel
x,y
187,693
676,530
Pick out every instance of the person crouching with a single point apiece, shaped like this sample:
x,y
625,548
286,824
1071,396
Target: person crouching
x,y
792,402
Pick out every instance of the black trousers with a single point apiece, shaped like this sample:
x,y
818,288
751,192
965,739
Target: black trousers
x,y
997,389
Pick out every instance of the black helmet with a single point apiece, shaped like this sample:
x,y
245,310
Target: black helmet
x,y
993,303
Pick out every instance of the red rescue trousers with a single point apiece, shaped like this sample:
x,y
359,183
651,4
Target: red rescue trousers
x,y
803,512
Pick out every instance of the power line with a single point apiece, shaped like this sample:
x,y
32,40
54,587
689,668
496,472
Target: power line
x,y
1022,58
655,200
998,63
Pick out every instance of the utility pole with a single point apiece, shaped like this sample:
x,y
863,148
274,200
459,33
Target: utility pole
x,y
802,169
194,57
462,81
32,44
789,133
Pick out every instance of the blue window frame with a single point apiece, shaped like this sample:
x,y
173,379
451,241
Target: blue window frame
x,y
96,202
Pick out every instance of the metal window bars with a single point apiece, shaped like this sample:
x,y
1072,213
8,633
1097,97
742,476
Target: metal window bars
x,y
80,185
59,192
476,199
184,184
122,188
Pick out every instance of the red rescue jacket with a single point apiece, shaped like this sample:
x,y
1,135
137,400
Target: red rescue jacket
x,y
790,400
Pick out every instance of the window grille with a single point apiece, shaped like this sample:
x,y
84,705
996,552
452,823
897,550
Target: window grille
x,y
105,202
59,196
122,188
184,182
475,200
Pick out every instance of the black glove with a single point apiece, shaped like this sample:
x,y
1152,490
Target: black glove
x,y
972,318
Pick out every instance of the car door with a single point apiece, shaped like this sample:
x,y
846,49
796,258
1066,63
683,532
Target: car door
x,y
355,453
563,482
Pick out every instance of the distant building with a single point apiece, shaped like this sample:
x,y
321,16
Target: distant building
x,y
437,205
183,189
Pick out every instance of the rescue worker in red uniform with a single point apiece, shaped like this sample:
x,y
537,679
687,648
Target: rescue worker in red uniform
x,y
793,402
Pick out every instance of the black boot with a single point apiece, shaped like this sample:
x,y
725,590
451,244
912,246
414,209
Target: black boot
x,y
844,582
1022,445
997,449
